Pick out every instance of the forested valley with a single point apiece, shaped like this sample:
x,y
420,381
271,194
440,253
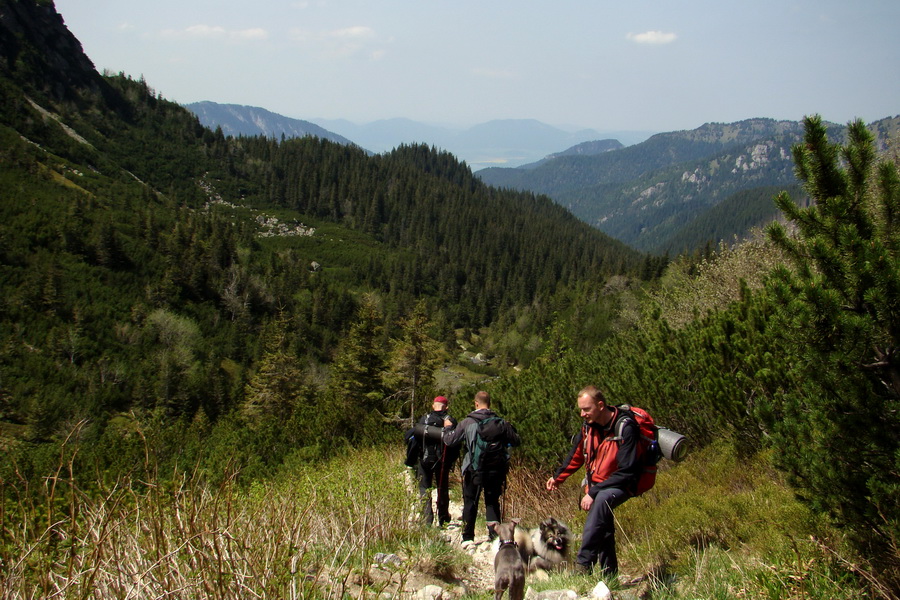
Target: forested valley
x,y
180,305
154,267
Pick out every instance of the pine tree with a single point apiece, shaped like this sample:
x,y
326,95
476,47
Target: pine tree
x,y
272,392
360,361
413,360
836,431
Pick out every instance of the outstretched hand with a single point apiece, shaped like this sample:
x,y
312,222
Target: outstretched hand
x,y
587,502
552,485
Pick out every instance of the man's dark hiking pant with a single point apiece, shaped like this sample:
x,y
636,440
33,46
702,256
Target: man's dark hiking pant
x,y
598,542
438,476
473,483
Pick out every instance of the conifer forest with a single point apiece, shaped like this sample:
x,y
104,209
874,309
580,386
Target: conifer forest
x,y
229,307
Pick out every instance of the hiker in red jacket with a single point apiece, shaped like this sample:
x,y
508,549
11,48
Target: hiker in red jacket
x,y
612,470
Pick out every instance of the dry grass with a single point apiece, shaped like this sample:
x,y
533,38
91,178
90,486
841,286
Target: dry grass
x,y
302,537
526,498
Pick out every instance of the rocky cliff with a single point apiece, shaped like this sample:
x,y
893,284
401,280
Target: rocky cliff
x,y
39,53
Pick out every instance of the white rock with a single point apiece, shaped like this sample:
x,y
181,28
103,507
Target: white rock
x,y
431,592
388,559
601,591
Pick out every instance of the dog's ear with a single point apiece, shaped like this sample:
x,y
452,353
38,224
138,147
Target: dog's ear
x,y
492,525
515,521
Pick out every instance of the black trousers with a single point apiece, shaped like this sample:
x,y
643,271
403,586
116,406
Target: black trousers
x,y
598,543
491,483
437,475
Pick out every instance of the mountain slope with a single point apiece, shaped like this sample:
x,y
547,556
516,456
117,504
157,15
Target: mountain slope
x,y
150,264
31,34
236,120
662,150
591,148
645,194
649,209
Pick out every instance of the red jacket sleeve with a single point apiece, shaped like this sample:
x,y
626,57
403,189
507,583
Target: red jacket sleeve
x,y
573,461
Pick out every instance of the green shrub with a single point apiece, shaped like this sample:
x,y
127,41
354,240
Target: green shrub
x,y
723,525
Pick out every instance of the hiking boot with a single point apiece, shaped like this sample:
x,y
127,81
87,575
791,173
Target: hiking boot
x,y
626,581
581,569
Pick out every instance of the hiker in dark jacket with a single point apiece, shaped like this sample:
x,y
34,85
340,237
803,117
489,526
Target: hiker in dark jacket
x,y
434,464
608,452
489,475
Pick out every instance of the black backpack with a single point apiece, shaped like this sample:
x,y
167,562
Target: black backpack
x,y
489,450
432,449
413,448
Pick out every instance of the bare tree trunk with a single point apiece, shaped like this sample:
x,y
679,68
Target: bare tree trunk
x,y
412,399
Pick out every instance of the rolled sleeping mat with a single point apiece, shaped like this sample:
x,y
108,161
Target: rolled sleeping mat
x,y
674,446
430,432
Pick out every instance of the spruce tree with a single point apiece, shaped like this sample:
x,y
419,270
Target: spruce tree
x,y
413,361
835,431
277,385
356,372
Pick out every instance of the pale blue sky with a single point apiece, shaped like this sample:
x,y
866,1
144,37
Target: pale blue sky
x,y
652,65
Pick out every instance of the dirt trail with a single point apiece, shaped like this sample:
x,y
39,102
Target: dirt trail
x,y
480,575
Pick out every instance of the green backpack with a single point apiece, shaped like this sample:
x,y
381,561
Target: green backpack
x,y
489,451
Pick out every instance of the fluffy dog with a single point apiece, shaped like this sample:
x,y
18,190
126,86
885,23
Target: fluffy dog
x,y
545,547
509,570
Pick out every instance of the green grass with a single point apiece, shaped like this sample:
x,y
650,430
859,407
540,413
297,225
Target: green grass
x,y
715,526
720,526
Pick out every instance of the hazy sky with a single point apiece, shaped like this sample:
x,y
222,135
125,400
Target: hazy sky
x,y
652,65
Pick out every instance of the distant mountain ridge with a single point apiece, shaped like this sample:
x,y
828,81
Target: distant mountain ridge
x,y
651,195
655,195
235,120
503,142
584,149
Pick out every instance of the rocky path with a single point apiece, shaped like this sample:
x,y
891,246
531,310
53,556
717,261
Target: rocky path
x,y
480,575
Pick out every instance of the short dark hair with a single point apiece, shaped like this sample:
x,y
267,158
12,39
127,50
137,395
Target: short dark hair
x,y
593,392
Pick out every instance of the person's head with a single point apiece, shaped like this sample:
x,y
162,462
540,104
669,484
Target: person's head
x,y
440,403
592,405
482,400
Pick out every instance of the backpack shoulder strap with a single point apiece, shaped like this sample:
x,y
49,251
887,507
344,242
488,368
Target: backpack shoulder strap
x,y
623,417
487,420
